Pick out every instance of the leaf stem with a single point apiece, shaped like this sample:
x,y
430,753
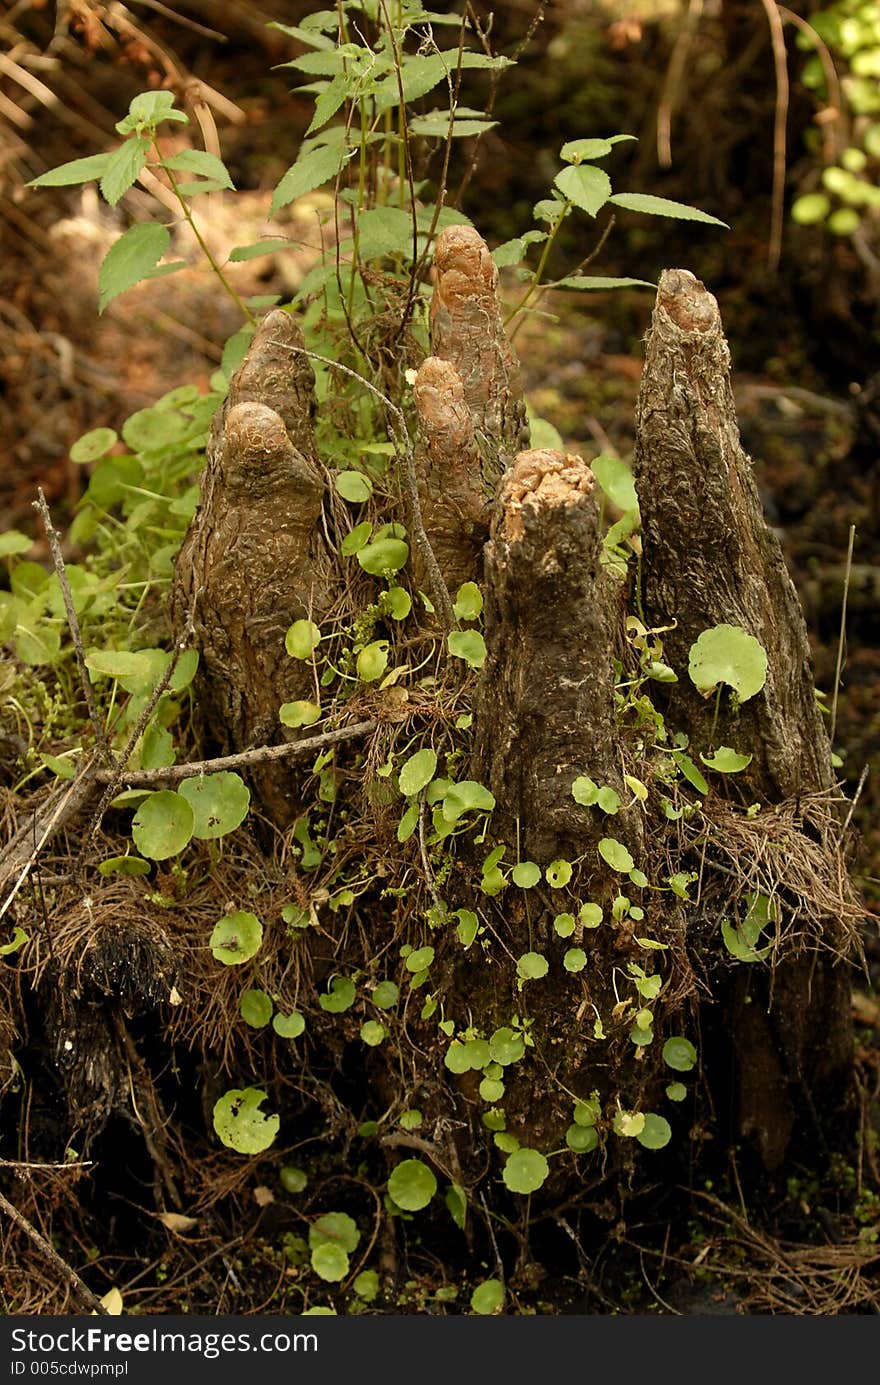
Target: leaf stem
x,y
190,220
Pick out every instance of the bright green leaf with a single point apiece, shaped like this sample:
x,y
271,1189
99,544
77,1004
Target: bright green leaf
x,y
412,1185
661,206
728,654
525,1171
417,771
241,1125
468,645
236,938
162,825
219,803
130,259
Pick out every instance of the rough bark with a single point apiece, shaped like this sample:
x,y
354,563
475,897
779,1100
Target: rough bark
x,y
467,330
552,616
252,561
709,558
455,509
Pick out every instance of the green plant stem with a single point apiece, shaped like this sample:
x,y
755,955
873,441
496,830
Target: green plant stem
x,y
542,264
215,268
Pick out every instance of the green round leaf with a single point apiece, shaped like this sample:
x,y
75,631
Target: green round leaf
x,y
302,639
526,874
219,803
162,825
335,1228
383,556
289,1026
587,1112
339,997
468,645
410,1120
372,1032
330,1262
491,1090
558,874
241,1125
585,791
468,602
150,429
532,966
293,1180
525,1171
582,1138
236,938
372,661
655,1133
366,1286
93,445
397,602
300,713
467,796
420,959
417,771
679,1054
255,1008
629,1124
354,486
506,1046
608,800
728,654
615,854
487,1297
386,994
564,925
575,959
590,915
356,538
412,1185
676,1091
726,761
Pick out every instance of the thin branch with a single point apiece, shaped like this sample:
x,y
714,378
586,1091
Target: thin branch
x,y
54,814
174,774
88,1300
75,633
404,450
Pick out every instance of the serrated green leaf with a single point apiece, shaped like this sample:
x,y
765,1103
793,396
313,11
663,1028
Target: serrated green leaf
x,y
661,206
77,171
204,164
124,167
310,171
130,259
589,188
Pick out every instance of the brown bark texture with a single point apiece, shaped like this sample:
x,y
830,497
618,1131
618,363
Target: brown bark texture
x,y
253,561
710,558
